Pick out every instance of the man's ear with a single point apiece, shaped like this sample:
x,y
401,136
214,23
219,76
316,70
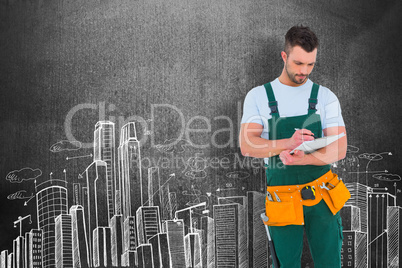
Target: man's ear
x,y
284,56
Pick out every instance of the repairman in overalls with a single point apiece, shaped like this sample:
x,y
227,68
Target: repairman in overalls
x,y
302,194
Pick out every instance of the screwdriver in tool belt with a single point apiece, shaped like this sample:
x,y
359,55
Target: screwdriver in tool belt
x,y
269,196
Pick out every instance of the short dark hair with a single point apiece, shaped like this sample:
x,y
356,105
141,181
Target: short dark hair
x,y
300,36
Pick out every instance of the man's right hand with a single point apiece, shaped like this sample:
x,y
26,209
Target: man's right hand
x,y
299,137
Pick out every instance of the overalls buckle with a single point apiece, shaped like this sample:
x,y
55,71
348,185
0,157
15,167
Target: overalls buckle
x,y
312,103
274,107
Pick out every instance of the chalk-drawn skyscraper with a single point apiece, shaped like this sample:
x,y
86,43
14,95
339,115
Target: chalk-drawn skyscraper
x,y
104,150
257,243
378,206
129,241
80,239
148,223
160,250
192,247
33,249
154,187
167,213
354,246
50,202
130,170
64,241
230,240
95,198
116,229
174,230
359,197
394,241
102,247
18,248
208,241
4,259
355,225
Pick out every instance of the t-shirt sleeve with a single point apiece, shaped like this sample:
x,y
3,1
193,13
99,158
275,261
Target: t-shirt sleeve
x,y
251,113
333,113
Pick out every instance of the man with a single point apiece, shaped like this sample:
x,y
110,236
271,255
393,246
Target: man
x,y
278,117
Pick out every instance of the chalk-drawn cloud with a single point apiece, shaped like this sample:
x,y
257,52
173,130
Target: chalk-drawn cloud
x,y
65,145
196,174
387,177
352,149
173,146
25,174
237,175
19,195
371,157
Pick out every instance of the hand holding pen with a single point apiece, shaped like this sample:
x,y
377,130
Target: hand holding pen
x,y
300,136
304,133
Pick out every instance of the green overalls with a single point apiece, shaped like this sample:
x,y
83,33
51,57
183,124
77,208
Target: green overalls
x,y
323,229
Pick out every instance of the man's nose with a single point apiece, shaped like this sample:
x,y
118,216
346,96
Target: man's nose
x,y
303,70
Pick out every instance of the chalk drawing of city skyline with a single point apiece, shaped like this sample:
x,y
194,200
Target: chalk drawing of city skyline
x,y
110,224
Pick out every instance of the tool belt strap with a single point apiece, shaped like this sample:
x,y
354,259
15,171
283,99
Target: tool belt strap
x,y
289,210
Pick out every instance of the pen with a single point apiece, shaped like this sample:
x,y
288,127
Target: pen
x,y
305,134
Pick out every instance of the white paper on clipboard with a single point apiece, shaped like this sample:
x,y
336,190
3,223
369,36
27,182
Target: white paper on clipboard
x,y
311,146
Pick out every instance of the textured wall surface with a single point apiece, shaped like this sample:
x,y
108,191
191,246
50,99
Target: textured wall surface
x,y
197,59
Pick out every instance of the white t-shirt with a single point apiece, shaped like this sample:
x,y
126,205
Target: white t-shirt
x,y
292,101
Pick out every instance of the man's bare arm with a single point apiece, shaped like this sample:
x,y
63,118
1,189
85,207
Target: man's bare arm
x,y
251,143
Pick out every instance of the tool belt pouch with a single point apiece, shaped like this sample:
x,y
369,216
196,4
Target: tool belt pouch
x,y
282,213
279,212
338,195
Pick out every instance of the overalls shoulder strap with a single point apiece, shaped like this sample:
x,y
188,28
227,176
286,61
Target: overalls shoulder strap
x,y
312,101
272,103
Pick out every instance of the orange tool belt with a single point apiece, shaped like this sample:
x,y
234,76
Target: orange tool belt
x,y
289,209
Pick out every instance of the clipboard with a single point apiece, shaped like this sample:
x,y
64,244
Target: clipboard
x,y
311,146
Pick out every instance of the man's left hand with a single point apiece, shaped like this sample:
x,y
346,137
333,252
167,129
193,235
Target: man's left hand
x,y
294,159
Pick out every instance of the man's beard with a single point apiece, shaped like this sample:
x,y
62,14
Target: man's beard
x,y
293,76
